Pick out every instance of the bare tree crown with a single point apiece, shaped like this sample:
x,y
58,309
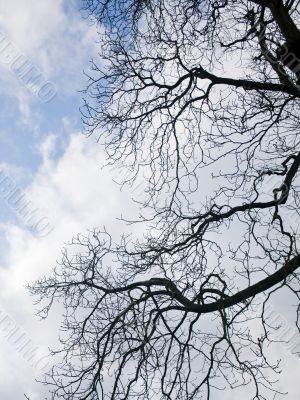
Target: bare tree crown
x,y
201,98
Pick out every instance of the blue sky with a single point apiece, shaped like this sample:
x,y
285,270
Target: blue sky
x,y
46,156
25,120
54,38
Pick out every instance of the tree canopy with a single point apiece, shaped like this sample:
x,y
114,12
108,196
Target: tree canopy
x,y
200,99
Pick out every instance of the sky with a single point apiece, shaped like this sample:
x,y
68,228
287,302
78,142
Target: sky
x,y
51,182
52,185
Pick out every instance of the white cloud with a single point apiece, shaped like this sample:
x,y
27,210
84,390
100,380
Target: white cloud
x,y
54,37
71,190
75,195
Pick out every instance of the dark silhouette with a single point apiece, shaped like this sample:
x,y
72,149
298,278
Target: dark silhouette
x,y
199,98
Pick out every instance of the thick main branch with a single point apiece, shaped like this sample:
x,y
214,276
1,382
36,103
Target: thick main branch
x,y
225,302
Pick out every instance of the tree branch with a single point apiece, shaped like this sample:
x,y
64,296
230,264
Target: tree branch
x,y
248,84
286,270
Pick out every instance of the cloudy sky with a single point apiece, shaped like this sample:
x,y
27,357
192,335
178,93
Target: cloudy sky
x,y
51,169
47,167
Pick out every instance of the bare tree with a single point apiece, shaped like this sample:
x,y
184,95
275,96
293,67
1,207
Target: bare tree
x,y
202,99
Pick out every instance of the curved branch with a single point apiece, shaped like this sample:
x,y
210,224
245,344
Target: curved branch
x,y
286,270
